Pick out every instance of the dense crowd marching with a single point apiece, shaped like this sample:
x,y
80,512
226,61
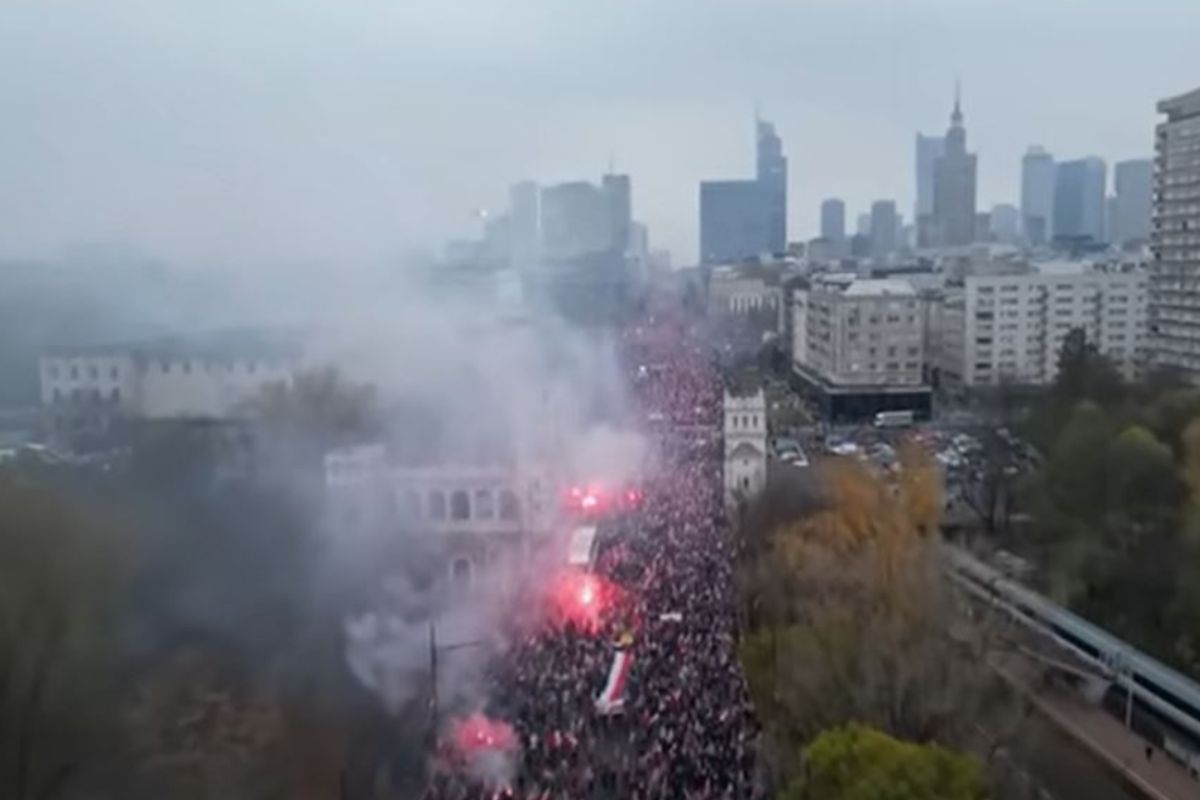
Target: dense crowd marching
x,y
686,729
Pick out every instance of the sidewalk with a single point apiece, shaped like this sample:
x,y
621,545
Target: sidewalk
x,y
1159,778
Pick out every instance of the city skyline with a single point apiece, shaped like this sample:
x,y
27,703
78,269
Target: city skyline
x,y
364,161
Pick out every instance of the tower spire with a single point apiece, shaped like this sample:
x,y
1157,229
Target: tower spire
x,y
956,117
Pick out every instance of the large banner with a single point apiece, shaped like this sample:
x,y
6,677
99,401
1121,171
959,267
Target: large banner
x,y
612,697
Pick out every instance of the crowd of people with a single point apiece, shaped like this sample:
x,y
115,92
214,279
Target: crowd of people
x,y
685,728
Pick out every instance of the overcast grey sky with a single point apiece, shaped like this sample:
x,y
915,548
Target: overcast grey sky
x,y
234,131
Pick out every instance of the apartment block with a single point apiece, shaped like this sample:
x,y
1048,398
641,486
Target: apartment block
x,y
998,328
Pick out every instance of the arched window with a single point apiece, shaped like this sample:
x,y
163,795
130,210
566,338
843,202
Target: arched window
x,y
460,505
485,505
509,508
460,571
437,504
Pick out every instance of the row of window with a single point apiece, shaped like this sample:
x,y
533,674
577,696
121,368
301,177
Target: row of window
x,y
891,351
744,421
892,319
185,367
73,372
890,366
94,395
460,505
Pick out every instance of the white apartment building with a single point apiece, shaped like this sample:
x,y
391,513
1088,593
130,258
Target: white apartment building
x,y
850,331
85,389
1011,327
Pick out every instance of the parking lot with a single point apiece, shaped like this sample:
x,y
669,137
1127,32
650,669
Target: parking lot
x,y
973,459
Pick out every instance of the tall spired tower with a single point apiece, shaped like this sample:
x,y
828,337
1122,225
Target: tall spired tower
x,y
954,185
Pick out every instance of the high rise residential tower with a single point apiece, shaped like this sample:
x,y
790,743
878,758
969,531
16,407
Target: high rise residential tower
x,y
1175,237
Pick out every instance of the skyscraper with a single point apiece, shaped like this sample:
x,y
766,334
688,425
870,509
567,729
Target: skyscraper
x,y
954,185
862,225
772,179
929,150
1175,238
580,219
883,227
733,221
833,220
744,218
524,228
1005,221
620,210
1133,182
1079,199
1112,232
1037,195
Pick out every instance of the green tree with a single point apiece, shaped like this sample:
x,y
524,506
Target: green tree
x,y
1107,506
859,763
1085,373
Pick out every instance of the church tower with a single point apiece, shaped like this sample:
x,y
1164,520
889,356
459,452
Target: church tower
x,y
745,446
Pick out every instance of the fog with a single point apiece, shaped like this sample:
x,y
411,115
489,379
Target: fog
x,y
325,132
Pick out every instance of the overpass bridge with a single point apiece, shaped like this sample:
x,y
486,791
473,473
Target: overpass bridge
x,y
1124,706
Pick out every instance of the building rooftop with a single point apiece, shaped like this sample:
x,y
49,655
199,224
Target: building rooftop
x,y
1061,267
1181,106
223,345
751,269
872,287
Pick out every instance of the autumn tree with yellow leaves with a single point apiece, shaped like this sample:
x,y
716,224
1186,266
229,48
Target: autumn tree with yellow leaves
x,y
850,618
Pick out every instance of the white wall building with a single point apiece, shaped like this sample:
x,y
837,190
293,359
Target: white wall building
x,y
745,291
867,332
478,514
1011,327
745,446
84,390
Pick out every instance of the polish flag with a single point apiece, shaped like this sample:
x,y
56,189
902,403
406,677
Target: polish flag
x,y
612,698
